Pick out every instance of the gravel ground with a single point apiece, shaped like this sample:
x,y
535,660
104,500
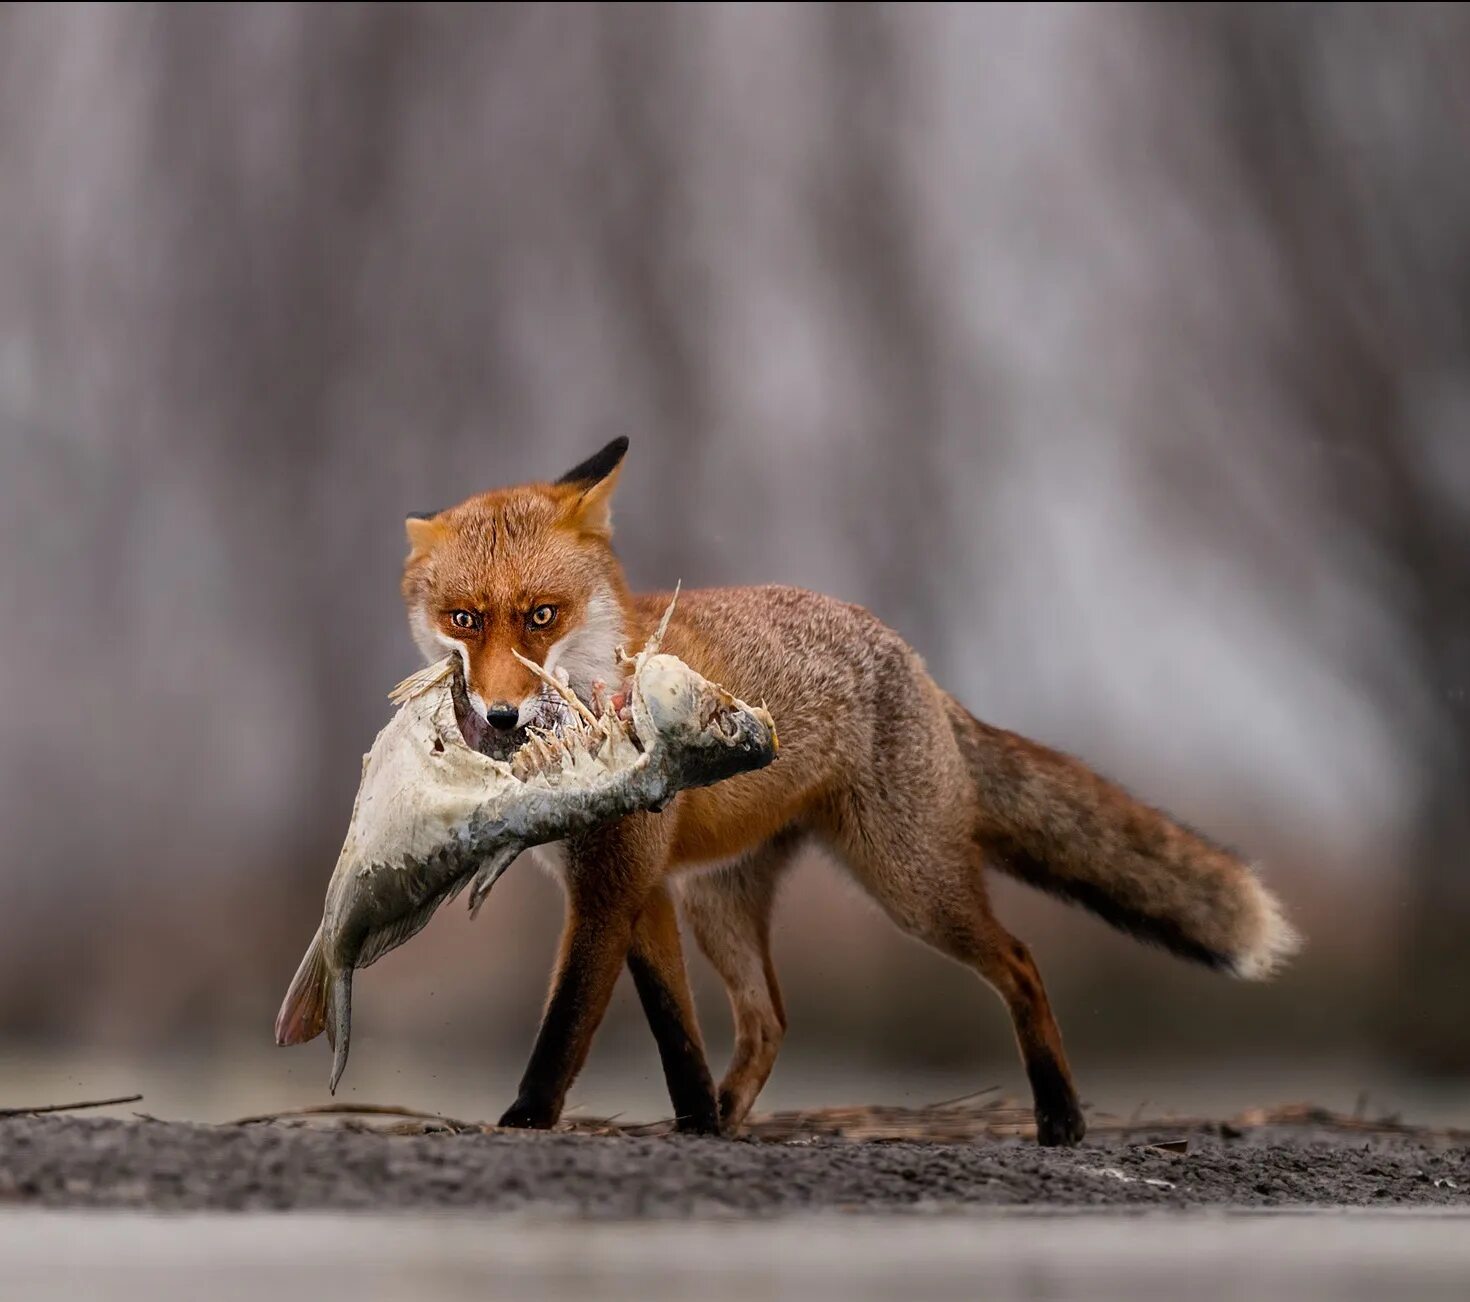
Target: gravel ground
x,y
104,1163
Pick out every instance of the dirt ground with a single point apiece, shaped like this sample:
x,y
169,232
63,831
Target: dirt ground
x,y
867,1161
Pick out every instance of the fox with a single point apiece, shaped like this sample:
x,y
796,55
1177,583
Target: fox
x,y
878,766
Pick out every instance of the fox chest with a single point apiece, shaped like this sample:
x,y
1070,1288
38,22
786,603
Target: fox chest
x,y
554,860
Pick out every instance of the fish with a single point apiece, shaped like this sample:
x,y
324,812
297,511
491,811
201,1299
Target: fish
x,y
434,816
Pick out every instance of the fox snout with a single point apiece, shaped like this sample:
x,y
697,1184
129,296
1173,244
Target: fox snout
x,y
502,715
494,727
502,690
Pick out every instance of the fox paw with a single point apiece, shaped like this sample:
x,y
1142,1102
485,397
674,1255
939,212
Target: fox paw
x,y
528,1116
1061,1127
699,1121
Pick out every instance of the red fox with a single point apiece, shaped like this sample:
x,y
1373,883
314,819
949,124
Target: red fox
x,y
878,764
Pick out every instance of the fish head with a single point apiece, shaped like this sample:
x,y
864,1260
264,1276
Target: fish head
x,y
709,733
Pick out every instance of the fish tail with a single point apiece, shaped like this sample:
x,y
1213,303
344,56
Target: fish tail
x,y
339,1025
303,1014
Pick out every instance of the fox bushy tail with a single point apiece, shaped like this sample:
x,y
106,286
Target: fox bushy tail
x,y
1050,821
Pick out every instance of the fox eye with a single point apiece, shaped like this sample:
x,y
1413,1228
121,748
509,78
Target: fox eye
x,y
466,619
543,616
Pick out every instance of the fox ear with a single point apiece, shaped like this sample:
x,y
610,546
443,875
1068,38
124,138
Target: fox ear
x,y
422,530
594,481
598,466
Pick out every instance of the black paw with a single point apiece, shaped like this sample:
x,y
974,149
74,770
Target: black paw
x,y
1060,1127
529,1116
703,1120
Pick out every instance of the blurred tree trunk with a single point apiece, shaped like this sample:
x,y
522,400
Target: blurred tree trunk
x,y
1375,273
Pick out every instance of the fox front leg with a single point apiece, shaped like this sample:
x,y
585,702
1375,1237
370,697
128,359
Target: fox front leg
x,y
594,947
610,874
656,962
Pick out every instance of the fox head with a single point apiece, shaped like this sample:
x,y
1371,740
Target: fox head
x,y
529,568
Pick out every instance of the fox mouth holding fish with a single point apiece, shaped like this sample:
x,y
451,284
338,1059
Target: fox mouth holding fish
x,y
551,715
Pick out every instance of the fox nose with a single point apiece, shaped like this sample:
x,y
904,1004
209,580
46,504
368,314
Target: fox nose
x,y
502,716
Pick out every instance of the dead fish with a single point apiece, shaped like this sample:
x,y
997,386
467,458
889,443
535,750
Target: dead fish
x,y
433,816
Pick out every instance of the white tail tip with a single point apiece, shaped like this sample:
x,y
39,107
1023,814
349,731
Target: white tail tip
x,y
1273,940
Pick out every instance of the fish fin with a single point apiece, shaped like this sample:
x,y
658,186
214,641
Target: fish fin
x,y
303,1014
489,873
419,683
339,1025
379,942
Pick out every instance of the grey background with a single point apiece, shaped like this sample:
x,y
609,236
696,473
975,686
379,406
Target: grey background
x,y
1116,356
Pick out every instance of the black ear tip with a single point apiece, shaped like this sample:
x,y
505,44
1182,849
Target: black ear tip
x,y
422,515
599,465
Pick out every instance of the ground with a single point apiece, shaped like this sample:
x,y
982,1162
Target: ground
x,y
949,1202
918,1161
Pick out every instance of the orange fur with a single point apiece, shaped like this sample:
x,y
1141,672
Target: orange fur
x,y
501,555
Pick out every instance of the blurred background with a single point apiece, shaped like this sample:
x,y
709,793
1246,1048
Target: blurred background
x,y
1116,356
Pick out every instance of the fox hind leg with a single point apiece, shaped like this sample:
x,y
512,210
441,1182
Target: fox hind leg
x,y
967,930
729,911
1006,964
963,927
938,896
